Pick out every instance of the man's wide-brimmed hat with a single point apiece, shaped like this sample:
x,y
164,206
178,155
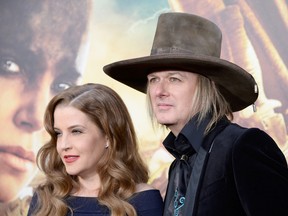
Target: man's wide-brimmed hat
x,y
187,42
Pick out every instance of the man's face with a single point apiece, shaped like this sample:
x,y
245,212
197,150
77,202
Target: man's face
x,y
35,64
171,94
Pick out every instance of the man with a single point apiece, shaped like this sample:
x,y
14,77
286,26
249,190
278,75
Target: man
x,y
249,29
220,168
41,52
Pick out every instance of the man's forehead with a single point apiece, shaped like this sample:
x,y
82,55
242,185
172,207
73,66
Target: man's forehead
x,y
169,72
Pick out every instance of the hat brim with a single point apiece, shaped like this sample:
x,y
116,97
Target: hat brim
x,y
235,84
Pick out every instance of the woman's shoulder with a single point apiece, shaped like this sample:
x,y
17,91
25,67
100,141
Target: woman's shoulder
x,y
86,205
143,187
147,200
144,191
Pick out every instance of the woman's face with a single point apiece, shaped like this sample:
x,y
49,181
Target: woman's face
x,y
80,143
33,68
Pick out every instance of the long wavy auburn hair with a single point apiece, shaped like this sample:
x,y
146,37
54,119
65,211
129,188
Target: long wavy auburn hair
x,y
120,170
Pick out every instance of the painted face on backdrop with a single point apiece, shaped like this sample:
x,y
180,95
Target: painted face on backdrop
x,y
171,95
80,143
38,50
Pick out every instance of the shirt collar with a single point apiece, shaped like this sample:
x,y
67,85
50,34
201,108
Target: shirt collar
x,y
193,131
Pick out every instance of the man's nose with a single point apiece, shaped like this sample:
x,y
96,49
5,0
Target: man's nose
x,y
161,88
29,116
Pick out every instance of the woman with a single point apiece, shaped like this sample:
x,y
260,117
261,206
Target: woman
x,y
91,163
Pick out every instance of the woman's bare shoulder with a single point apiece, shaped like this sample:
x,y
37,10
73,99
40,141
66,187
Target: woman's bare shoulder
x,y
143,187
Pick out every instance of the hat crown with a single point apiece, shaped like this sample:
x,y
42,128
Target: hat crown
x,y
186,33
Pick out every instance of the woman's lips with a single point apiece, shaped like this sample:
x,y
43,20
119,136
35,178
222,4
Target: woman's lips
x,y
70,158
17,158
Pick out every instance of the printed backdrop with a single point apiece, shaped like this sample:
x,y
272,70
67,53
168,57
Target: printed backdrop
x,y
45,47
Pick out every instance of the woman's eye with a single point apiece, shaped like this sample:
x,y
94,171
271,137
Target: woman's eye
x,y
57,133
63,86
76,131
58,87
9,66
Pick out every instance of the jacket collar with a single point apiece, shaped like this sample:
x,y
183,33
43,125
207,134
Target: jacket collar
x,y
193,133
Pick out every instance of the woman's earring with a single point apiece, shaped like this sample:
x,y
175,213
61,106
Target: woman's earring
x,y
107,145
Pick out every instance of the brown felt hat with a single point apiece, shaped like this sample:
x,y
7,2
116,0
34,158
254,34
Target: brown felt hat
x,y
190,43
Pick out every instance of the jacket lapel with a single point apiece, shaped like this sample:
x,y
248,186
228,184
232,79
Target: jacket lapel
x,y
199,168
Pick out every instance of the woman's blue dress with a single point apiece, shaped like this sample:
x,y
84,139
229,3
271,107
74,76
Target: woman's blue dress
x,y
146,203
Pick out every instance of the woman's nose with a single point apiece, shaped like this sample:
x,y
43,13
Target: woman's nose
x,y
30,113
64,143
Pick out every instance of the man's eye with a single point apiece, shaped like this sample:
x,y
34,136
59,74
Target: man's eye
x,y
173,79
152,80
9,66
